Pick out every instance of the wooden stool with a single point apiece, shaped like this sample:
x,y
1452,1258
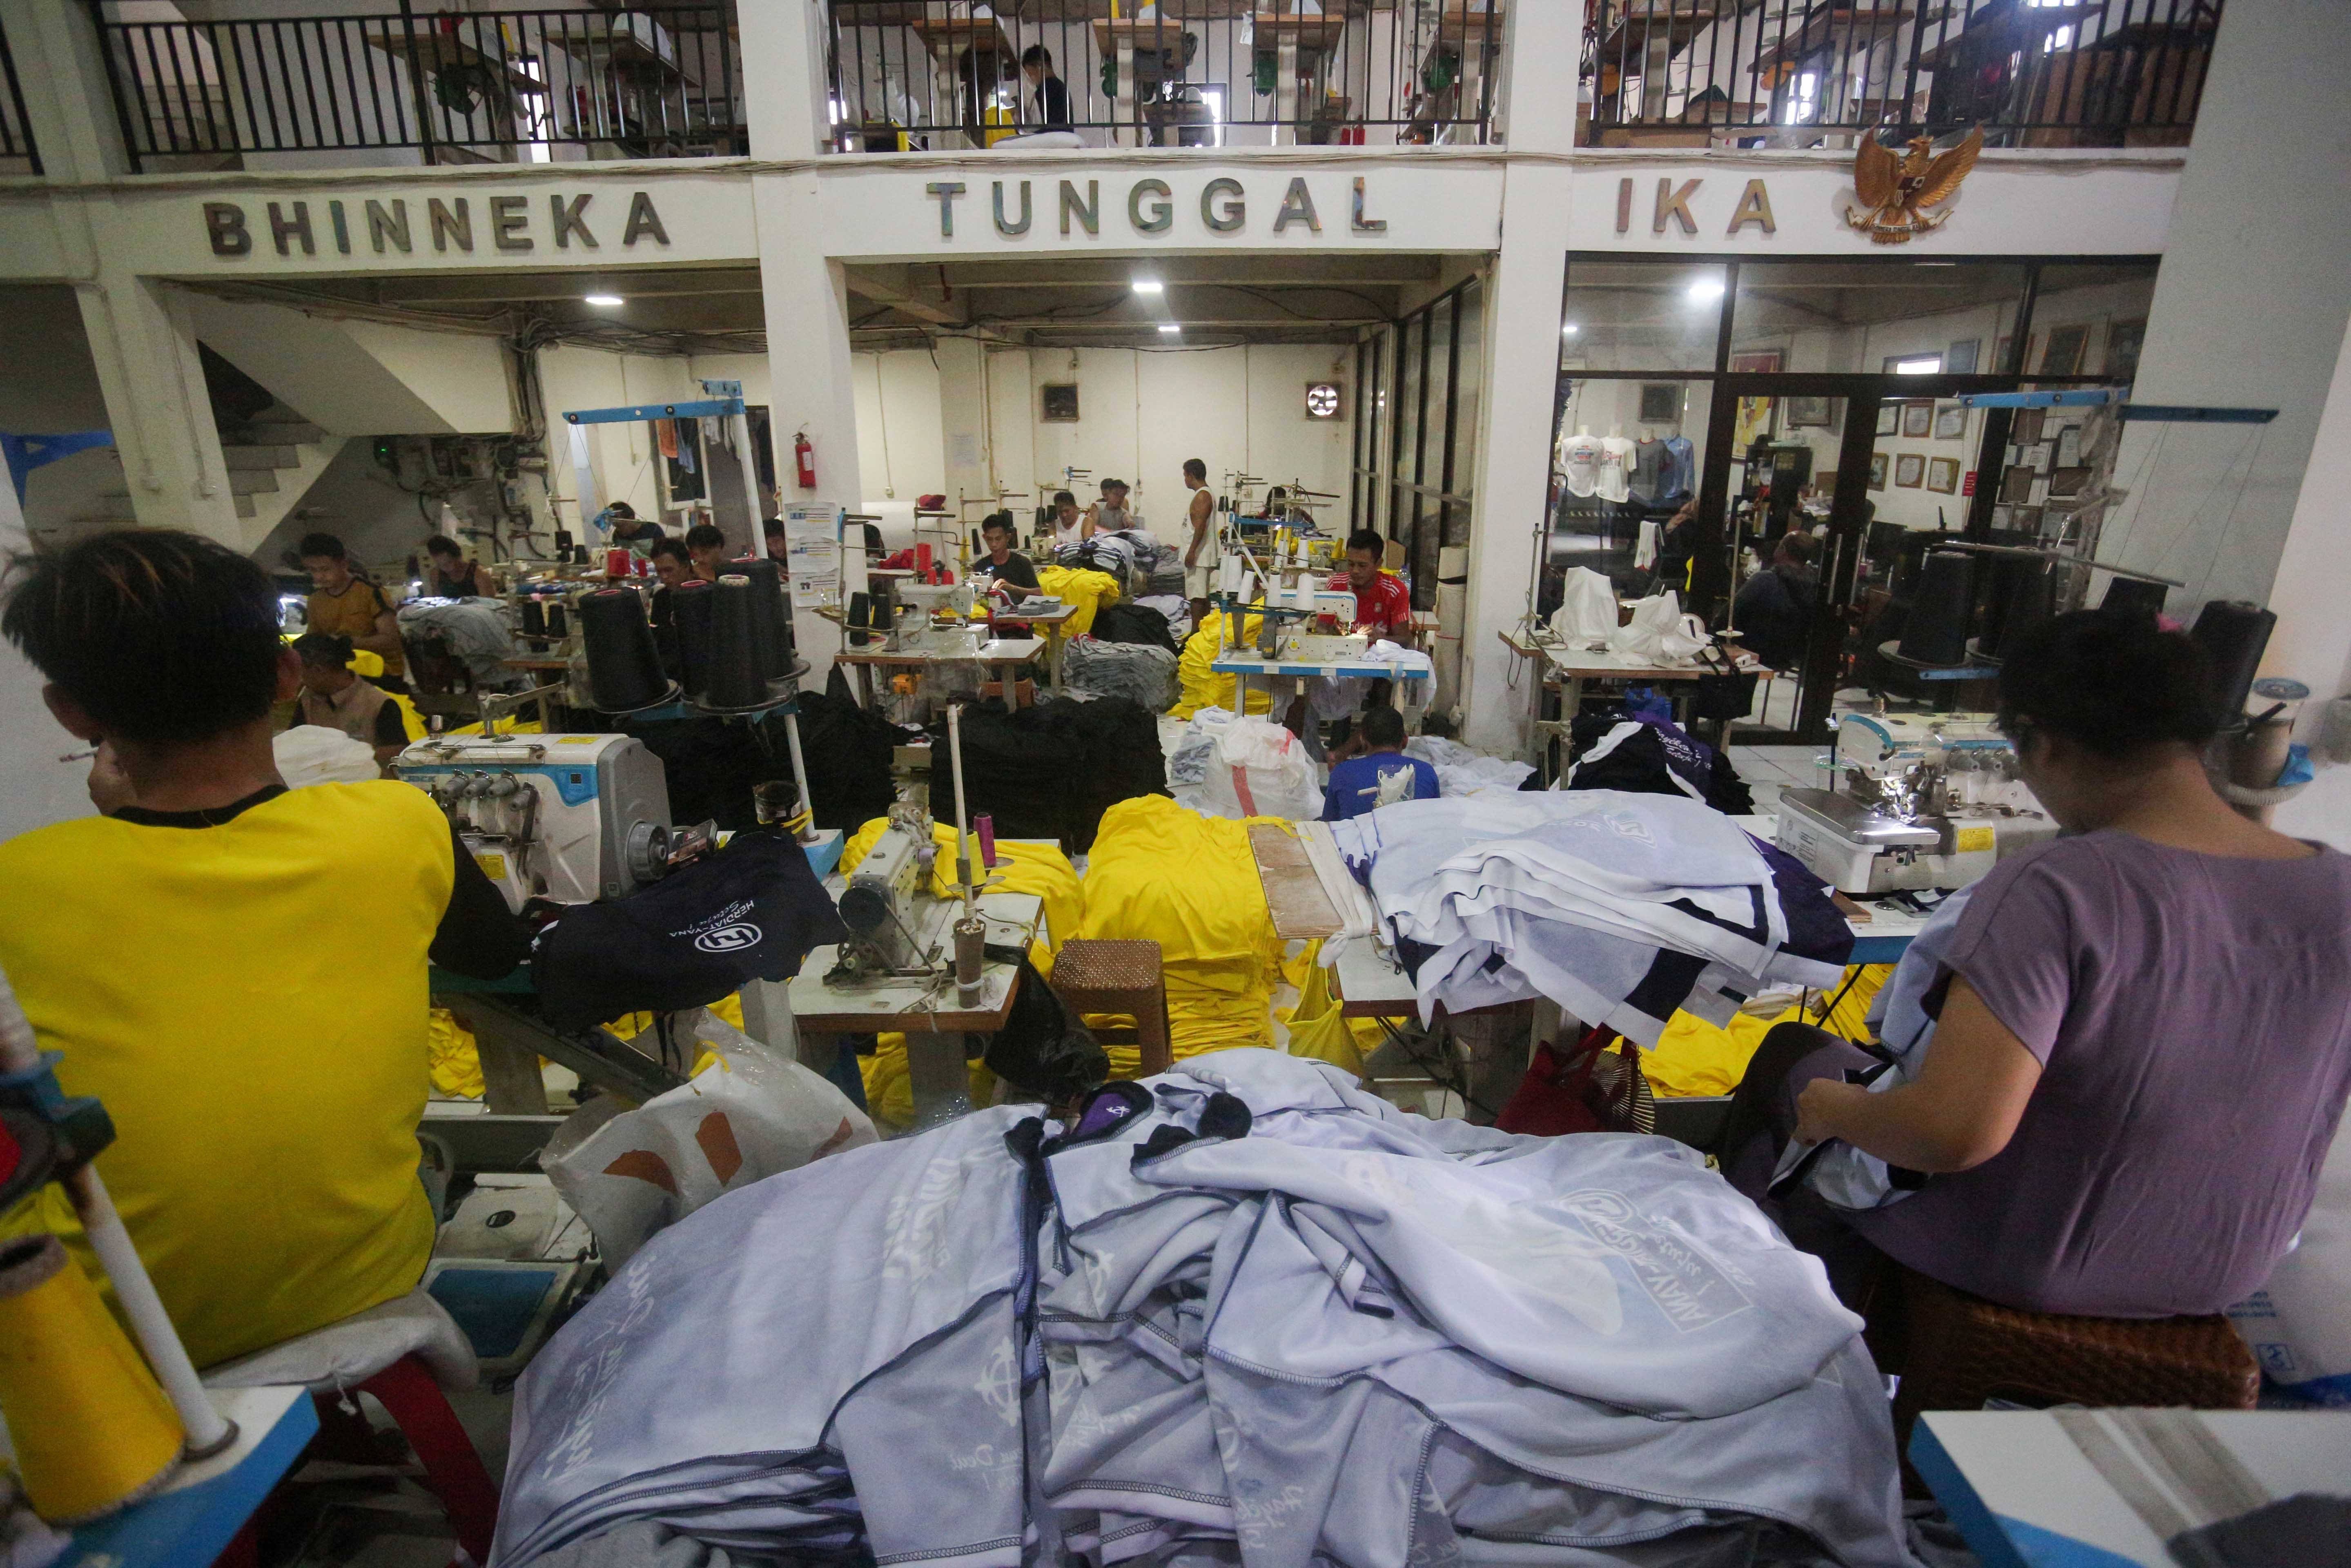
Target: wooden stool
x,y
1957,1351
1119,976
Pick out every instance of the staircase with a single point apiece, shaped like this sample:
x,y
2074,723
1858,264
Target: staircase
x,y
273,459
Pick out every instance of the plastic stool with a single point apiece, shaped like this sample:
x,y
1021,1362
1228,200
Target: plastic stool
x,y
1957,1351
1104,976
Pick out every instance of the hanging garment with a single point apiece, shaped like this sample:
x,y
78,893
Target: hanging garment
x,y
1242,1312
1645,547
1615,468
1579,462
1652,468
1681,481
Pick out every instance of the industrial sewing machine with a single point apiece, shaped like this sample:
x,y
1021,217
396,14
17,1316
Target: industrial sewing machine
x,y
573,818
1920,801
886,905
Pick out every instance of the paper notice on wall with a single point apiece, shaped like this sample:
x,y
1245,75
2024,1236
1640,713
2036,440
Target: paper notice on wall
x,y
812,548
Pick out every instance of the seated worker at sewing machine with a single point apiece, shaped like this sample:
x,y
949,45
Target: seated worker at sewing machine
x,y
335,698
1013,572
1383,603
236,970
1070,526
778,543
1774,608
624,528
1380,774
452,576
705,547
2144,1035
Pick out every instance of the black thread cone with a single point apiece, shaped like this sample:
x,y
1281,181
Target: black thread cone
x,y
690,605
2023,599
534,618
735,677
2235,635
770,621
624,672
2131,596
1936,632
558,624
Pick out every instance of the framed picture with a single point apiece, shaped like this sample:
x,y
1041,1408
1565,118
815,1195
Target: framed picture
x,y
1751,423
2026,518
2069,447
2060,352
1950,421
1825,481
2123,341
1918,418
2064,483
1061,402
2035,457
1890,419
2024,429
2001,517
1661,402
1943,474
1878,470
1808,411
1909,470
1959,358
2016,485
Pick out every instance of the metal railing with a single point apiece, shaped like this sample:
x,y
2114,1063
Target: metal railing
x,y
476,87
1793,73
16,129
944,74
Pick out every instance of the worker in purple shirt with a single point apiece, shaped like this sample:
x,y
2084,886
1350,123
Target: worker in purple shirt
x,y
2143,1037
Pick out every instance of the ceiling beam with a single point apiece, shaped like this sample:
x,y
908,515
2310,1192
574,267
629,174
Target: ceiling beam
x,y
867,286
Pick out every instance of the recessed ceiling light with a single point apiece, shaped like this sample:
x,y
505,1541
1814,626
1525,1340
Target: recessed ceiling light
x,y
1169,327
1706,289
601,299
1570,330
1149,285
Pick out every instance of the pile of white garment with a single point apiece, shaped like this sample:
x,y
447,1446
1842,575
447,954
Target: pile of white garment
x,y
1463,771
1245,1313
1621,908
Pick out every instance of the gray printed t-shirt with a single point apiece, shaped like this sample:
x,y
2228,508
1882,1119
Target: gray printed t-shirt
x,y
2192,1016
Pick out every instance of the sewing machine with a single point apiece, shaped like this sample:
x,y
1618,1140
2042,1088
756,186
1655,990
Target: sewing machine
x,y
880,906
1920,801
573,818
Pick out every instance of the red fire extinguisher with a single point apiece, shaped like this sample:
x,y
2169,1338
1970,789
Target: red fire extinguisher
x,y
804,457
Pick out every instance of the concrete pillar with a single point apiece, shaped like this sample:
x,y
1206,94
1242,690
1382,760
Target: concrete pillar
x,y
2249,308
784,99
963,419
1522,306
145,345
2312,642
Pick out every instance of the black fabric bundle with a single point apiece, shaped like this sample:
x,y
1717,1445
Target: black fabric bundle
x,y
713,766
1134,623
1044,1048
847,752
752,911
1648,761
1051,770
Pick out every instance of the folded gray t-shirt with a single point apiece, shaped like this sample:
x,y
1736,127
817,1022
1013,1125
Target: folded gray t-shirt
x,y
2192,1015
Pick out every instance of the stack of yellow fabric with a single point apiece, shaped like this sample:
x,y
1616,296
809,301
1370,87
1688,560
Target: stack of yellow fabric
x,y
1025,867
1695,1057
1188,882
453,1060
1087,591
1202,687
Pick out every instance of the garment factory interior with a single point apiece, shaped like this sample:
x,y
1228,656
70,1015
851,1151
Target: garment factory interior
x,y
1015,991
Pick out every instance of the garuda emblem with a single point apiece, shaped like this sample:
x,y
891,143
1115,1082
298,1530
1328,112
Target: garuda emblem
x,y
1897,191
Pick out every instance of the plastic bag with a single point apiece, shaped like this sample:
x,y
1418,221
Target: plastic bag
x,y
1196,749
2299,1322
1586,616
1659,633
1261,770
747,1113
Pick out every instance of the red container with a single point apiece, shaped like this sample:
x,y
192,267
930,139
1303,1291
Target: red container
x,y
616,563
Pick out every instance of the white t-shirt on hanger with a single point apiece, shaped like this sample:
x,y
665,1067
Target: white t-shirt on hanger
x,y
1579,459
1615,468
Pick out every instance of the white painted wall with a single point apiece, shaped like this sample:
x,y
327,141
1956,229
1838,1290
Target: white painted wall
x,y
35,788
622,456
2312,593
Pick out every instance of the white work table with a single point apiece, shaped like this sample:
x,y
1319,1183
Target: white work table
x,y
1002,656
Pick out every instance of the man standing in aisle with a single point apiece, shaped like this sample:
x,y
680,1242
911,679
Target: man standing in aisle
x,y
237,971
343,603
1200,555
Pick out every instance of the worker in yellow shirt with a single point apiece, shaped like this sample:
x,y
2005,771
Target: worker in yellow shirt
x,y
344,603
265,1085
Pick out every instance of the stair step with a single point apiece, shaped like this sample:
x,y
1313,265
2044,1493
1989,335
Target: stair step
x,y
289,432
116,508
245,507
252,481
242,456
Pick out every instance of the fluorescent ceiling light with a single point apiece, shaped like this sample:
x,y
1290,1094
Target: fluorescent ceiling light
x,y
1570,330
1149,285
603,299
1169,327
1922,365
1706,289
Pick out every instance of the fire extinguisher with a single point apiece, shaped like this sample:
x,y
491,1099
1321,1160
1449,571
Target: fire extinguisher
x,y
804,457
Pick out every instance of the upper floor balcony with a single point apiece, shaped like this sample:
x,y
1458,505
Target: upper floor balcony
x,y
1811,73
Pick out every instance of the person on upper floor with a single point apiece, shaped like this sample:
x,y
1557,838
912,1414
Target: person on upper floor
x,y
1013,572
237,971
1380,775
1048,95
1383,603
451,575
335,698
706,546
2143,1038
342,602
1775,607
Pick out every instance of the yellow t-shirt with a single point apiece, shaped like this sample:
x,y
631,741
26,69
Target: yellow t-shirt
x,y
249,1001
353,614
